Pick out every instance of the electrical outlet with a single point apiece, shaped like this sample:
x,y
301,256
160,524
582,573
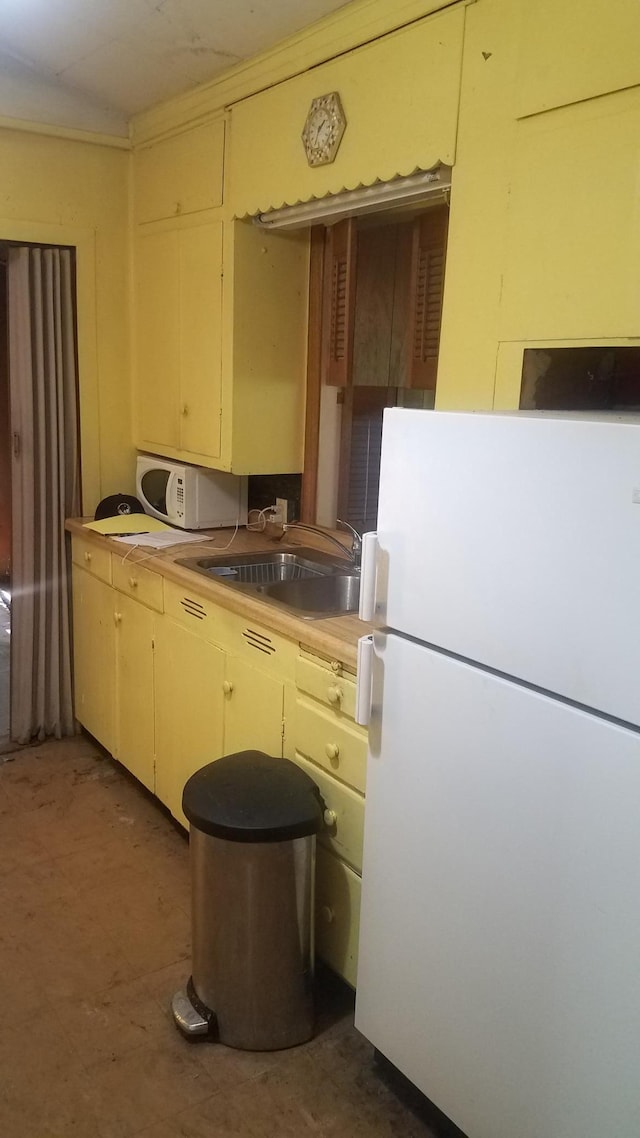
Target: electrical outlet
x,y
280,512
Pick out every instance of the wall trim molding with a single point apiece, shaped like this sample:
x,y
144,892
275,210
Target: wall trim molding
x,y
72,134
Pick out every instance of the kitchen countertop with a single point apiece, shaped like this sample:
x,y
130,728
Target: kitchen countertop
x,y
335,637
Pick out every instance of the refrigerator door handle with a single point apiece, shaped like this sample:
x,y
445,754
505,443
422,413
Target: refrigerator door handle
x,y
367,606
364,678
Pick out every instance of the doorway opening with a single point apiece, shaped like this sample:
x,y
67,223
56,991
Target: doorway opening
x,y
39,488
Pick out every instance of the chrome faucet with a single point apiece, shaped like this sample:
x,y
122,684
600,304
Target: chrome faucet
x,y
355,553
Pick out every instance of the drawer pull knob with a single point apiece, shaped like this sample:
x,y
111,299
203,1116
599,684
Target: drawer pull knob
x,y
332,752
133,582
336,667
184,410
87,555
327,914
117,617
227,687
335,694
330,818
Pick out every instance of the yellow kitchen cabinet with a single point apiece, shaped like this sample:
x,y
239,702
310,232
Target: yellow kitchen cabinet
x,y
189,674
178,291
253,709
324,740
337,908
94,655
564,59
134,744
266,290
180,174
571,264
113,635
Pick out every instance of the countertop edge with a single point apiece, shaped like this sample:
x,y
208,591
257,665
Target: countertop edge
x,y
334,637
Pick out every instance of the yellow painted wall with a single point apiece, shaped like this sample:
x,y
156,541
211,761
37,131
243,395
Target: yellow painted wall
x,y
68,191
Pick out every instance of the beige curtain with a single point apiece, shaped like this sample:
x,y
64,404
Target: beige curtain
x,y
45,487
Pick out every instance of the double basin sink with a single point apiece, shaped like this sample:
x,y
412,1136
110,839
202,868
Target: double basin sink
x,y
305,581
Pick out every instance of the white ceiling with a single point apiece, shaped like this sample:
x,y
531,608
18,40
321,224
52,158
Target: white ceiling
x,y
93,63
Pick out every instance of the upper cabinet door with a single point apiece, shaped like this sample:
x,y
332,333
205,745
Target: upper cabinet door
x,y
157,339
181,174
340,301
425,300
200,338
178,334
568,55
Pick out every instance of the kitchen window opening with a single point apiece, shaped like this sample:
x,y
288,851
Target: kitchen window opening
x,y
377,300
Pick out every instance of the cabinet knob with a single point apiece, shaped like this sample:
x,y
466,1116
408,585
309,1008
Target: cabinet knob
x,y
184,410
332,751
330,818
133,582
87,556
327,914
117,617
336,667
227,687
335,694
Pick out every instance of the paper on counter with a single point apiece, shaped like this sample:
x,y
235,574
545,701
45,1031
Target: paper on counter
x,y
128,524
160,540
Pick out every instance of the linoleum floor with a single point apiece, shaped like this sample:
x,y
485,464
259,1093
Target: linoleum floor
x,y
94,940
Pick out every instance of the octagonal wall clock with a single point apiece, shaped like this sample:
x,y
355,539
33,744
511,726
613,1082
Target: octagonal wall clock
x,y
323,129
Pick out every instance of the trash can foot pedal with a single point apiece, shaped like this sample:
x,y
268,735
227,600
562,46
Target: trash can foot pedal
x,y
188,1018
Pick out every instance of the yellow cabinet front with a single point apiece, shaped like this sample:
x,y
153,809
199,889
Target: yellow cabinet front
x,y
94,650
253,714
189,674
178,340
180,174
134,626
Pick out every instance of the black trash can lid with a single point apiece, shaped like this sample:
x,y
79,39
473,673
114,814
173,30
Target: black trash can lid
x,y
252,797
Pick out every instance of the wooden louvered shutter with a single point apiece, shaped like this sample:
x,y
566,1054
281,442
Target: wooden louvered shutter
x,y
427,285
340,277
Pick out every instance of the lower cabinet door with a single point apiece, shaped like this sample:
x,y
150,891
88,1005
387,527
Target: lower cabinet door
x,y
135,626
94,651
189,674
337,909
253,714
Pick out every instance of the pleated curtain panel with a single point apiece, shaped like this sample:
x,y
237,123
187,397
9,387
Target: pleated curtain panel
x,y
45,487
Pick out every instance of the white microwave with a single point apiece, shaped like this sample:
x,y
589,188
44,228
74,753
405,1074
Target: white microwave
x,y
190,496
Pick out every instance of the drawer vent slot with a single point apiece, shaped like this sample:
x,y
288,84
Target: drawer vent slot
x,y
259,641
193,608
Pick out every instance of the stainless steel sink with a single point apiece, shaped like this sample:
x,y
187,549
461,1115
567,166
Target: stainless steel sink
x,y
306,581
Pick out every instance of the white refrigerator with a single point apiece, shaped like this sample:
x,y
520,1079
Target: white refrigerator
x,y
499,964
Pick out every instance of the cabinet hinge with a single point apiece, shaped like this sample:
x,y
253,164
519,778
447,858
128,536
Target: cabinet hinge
x,y
283,730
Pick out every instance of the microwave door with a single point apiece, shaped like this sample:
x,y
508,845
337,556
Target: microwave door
x,y
154,484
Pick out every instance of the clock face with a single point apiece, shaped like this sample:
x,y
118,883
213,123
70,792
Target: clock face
x,y
323,129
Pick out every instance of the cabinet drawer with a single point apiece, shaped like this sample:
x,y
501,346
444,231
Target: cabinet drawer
x,y
328,685
338,746
92,557
344,833
337,908
135,581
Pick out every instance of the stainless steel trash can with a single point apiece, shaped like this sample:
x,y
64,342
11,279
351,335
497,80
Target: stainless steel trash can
x,y
253,825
